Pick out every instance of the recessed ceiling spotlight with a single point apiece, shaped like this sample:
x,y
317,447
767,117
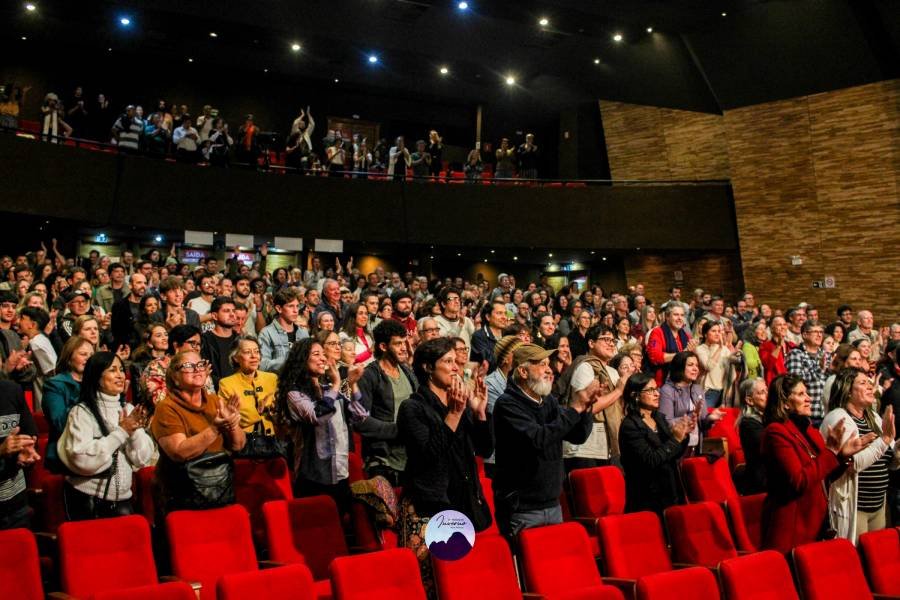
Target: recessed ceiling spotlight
x,y
544,22
373,59
617,37
265,70
510,80
596,61
459,253
109,49
336,80
213,34
125,21
190,60
445,71
24,38
492,251
463,6
295,47
515,258
604,258
30,6
550,255
724,14
649,30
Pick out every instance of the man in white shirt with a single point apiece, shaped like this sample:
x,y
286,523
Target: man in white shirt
x,y
185,139
451,320
32,322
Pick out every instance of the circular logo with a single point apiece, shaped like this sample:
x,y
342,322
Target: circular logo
x,y
449,535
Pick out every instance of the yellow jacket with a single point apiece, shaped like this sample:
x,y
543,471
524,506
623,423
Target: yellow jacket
x,y
256,394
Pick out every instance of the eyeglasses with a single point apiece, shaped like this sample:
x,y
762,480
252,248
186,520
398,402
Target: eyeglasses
x,y
250,352
653,390
431,329
462,349
194,367
333,344
453,299
606,339
192,343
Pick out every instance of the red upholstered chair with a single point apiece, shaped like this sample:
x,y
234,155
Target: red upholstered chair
x,y
830,571
20,568
291,582
705,482
204,545
695,583
557,561
881,558
143,493
385,575
485,572
633,545
46,490
488,490
176,590
760,576
105,554
255,483
699,534
598,492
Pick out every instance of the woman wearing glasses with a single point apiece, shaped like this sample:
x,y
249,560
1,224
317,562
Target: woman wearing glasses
x,y
255,389
182,338
650,447
190,425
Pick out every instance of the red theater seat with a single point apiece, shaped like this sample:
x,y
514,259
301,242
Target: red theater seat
x,y
830,571
761,576
385,575
255,483
486,572
204,545
598,492
46,490
88,551
20,570
633,545
699,534
176,590
291,582
696,583
305,530
881,558
557,562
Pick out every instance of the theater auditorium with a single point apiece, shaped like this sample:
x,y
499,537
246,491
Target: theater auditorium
x,y
449,300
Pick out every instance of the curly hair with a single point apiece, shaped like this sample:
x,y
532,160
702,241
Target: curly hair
x,y
295,376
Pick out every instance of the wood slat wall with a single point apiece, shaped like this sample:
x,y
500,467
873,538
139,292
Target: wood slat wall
x,y
716,272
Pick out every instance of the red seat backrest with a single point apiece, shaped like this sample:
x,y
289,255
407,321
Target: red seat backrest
x,y
830,571
87,549
485,572
20,569
557,558
305,530
291,582
881,558
633,545
712,482
143,493
176,590
760,576
255,483
206,544
699,534
49,507
695,583
385,575
488,490
598,492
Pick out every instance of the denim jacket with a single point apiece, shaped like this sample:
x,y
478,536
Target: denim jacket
x,y
274,346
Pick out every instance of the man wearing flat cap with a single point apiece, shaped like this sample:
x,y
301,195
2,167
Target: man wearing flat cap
x,y
529,429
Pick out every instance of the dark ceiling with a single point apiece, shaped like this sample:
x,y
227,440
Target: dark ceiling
x,y
694,59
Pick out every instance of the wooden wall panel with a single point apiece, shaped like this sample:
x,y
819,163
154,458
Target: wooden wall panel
x,y
716,272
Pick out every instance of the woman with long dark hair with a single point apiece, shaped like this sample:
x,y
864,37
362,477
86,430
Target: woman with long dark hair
x,y
318,416
682,395
355,328
103,443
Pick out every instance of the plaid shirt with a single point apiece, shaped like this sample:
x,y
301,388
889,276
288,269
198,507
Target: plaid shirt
x,y
809,367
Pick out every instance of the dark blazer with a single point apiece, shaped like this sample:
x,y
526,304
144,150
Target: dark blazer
x,y
798,467
122,325
754,478
650,460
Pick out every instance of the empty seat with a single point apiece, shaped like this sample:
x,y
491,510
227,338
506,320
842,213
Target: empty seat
x,y
760,576
176,590
204,545
699,534
598,492
20,569
87,550
633,545
485,572
46,490
830,571
696,583
705,482
291,582
881,558
385,575
557,560
305,530
255,483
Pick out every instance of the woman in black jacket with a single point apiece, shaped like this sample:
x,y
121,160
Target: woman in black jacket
x,y
443,425
650,448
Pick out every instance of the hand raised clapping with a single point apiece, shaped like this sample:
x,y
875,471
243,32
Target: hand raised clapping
x,y
228,414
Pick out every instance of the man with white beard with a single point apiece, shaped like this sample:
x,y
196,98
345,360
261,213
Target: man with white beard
x,y
529,428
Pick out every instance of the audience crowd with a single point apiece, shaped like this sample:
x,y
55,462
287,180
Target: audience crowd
x,y
148,360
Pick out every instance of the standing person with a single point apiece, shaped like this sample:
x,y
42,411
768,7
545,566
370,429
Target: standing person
x,y
528,157
276,338
15,362
755,335
856,500
798,462
320,415
754,394
506,161
255,388
103,443
529,428
32,323
126,311
217,344
444,425
716,358
493,321
420,161
651,448
186,140
773,352
62,392
337,157
248,146
665,341
355,329
436,150
451,320
399,160
683,396
473,166
497,380
384,386
809,362
129,131
18,438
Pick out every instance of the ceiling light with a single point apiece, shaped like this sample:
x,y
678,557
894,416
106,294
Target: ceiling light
x,y
190,60
604,258
213,34
617,37
649,30
515,258
444,70
544,22
125,21
484,259
158,238
724,14
336,80
24,38
459,253
373,59
30,7
592,252
492,251
596,61
295,47
463,6
265,70
550,255
510,80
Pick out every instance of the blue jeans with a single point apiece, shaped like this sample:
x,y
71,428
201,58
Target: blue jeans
x,y
713,398
525,519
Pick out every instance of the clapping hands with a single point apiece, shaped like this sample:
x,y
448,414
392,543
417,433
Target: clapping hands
x,y
228,414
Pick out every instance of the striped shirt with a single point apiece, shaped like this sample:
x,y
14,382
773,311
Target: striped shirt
x,y
873,481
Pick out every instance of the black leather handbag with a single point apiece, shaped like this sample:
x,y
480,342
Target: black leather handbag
x,y
204,482
260,446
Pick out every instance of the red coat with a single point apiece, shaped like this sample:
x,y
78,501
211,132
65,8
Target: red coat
x,y
656,351
796,504
773,366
